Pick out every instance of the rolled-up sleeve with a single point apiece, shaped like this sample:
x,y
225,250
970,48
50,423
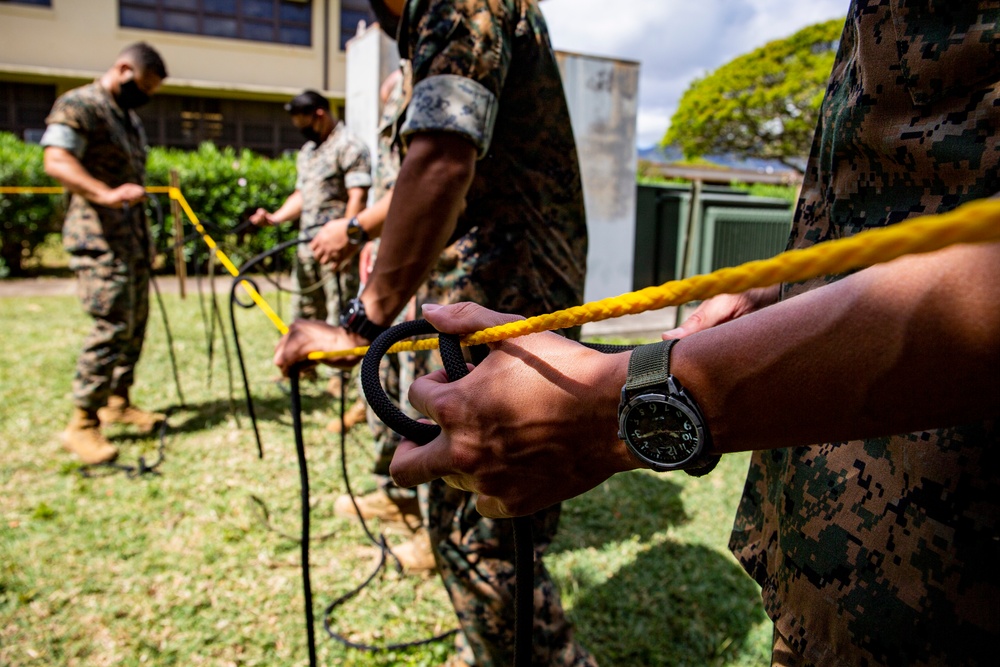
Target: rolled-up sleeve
x,y
64,136
357,165
460,54
451,103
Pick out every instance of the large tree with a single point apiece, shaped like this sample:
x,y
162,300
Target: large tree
x,y
762,104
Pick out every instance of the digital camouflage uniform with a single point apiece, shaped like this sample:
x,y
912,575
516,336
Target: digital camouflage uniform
x,y
109,248
885,551
484,69
386,170
324,175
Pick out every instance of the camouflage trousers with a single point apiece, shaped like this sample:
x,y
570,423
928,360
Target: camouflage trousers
x,y
475,557
317,293
115,293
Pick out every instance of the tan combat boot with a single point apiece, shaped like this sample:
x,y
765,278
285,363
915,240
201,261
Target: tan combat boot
x,y
356,414
415,555
83,437
378,505
120,411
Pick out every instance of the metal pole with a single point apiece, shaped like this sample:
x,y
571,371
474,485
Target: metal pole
x,y
180,268
692,220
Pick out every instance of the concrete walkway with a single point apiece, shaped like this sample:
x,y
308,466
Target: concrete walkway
x,y
647,325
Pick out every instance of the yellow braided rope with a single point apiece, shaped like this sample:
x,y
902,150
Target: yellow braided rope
x,y
975,222
176,194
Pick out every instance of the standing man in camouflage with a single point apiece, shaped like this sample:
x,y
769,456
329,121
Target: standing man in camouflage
x,y
333,245
334,174
489,206
96,147
871,508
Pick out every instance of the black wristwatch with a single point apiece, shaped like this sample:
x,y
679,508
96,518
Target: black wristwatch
x,y
354,319
356,234
659,421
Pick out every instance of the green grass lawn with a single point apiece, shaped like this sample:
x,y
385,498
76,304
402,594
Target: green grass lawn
x,y
179,568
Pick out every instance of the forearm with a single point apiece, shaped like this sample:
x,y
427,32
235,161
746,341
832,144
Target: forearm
x,y
355,202
429,196
899,347
290,210
372,219
65,168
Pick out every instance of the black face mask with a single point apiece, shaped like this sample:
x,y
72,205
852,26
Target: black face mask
x,y
130,96
311,135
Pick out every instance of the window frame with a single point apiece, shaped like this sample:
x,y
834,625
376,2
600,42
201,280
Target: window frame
x,y
276,28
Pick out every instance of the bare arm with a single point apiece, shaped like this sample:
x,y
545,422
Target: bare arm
x,y
331,246
900,347
63,166
904,346
290,210
429,195
355,201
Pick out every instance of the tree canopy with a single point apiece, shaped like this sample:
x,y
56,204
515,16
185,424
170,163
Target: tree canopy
x,y
763,104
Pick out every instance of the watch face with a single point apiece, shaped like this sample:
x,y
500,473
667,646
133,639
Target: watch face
x,y
353,231
661,431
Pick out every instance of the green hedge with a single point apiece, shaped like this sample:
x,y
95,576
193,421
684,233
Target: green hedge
x,y
222,186
25,220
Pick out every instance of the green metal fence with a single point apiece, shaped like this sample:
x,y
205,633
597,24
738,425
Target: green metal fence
x,y
729,227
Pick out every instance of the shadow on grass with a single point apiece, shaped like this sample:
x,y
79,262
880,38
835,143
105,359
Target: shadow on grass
x,y
675,604
627,505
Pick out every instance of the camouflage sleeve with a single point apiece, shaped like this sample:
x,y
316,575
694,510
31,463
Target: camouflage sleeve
x,y
356,163
73,112
300,168
64,136
460,52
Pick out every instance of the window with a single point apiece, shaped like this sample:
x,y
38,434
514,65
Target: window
x,y
278,21
353,12
24,107
182,121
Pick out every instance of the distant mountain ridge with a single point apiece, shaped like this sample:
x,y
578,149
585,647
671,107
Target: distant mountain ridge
x,y
670,154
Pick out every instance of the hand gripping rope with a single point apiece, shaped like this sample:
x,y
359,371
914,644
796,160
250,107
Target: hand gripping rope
x,y
420,433
451,355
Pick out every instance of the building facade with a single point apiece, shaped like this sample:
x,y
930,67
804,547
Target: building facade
x,y
232,63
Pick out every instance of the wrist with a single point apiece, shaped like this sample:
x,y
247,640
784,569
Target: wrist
x,y
356,321
609,375
357,235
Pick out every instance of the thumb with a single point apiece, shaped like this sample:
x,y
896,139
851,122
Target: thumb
x,y
463,318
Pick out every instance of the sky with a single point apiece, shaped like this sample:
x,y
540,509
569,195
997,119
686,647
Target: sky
x,y
676,40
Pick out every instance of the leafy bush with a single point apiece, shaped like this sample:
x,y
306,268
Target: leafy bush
x,y
24,219
222,186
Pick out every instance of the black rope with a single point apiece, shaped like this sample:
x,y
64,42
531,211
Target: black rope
x,y
141,468
145,245
300,451
422,433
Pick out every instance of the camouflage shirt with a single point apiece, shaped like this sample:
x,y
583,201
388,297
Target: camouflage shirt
x,y
485,70
113,152
326,172
885,551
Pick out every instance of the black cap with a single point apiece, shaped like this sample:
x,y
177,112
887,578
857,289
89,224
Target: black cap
x,y
307,102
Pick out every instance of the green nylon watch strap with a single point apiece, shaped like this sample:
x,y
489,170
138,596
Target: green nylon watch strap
x,y
649,365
